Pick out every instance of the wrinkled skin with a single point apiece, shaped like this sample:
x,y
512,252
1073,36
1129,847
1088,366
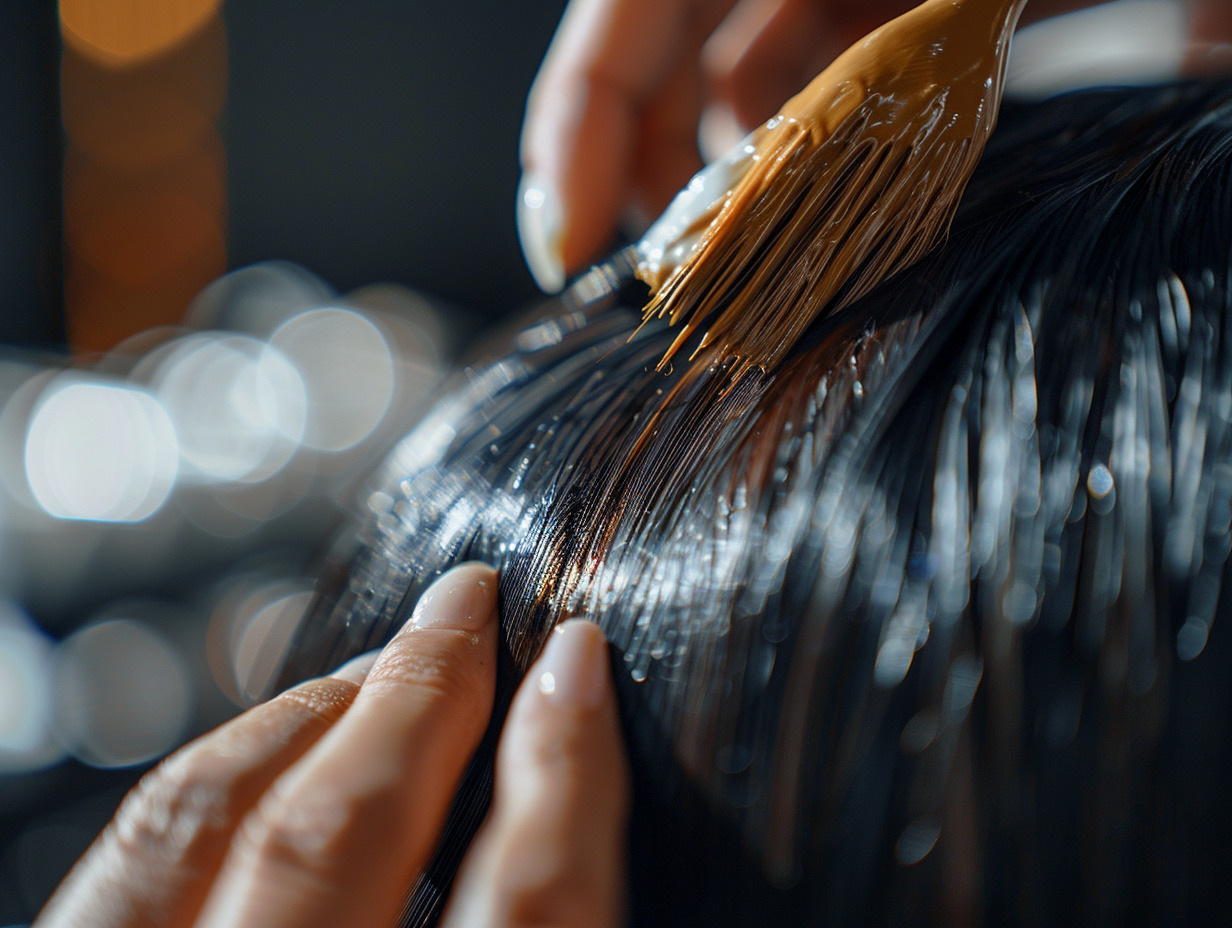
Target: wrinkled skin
x,y
321,806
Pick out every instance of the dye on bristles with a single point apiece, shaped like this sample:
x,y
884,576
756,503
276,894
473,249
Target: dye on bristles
x,y
855,179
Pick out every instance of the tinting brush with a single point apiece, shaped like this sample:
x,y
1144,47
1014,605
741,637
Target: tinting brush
x,y
855,179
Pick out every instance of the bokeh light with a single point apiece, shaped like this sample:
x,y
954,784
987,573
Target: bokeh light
x,y
123,31
239,407
348,370
250,630
140,117
123,694
262,643
258,298
26,707
143,83
100,452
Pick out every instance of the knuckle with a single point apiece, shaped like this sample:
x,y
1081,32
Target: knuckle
x,y
177,809
326,698
562,884
304,833
554,752
561,898
454,676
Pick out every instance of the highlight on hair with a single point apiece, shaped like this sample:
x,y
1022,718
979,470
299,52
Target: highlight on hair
x,y
924,623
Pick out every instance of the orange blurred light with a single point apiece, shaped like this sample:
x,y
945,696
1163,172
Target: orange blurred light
x,y
103,313
137,228
117,32
139,116
142,84
140,247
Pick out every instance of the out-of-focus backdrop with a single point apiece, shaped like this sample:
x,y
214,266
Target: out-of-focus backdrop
x,y
158,504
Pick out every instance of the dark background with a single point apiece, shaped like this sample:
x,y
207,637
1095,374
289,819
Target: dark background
x,y
374,140
30,295
377,140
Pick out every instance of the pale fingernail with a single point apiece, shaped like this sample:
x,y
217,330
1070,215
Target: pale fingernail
x,y
356,669
540,227
573,668
463,598
718,132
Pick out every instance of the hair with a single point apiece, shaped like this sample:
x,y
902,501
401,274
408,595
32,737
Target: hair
x,y
921,624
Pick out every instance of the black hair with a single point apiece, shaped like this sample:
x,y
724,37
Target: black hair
x,y
923,625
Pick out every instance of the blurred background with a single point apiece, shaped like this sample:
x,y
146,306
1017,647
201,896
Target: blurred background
x,y
241,245
163,488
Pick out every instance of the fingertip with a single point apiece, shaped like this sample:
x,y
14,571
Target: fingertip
x,y
573,671
384,775
576,163
719,131
567,220
445,652
462,598
540,223
563,727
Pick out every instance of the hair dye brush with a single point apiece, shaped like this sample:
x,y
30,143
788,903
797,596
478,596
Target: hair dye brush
x,y
855,179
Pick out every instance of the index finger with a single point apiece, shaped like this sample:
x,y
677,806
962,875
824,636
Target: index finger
x,y
607,61
153,862
342,835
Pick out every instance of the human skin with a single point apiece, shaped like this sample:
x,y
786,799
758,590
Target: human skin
x,y
321,806
612,120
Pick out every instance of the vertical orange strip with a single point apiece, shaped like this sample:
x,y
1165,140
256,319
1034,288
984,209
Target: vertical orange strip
x,y
143,83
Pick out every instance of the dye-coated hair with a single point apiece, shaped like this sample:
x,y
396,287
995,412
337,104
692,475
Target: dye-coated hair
x,y
925,624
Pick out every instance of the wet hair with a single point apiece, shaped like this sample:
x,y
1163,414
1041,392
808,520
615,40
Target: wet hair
x,y
926,623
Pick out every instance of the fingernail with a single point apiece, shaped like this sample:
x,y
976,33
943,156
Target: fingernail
x,y
463,598
573,668
540,227
356,669
718,132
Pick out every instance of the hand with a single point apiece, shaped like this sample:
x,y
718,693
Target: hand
x,y
1212,38
613,116
612,119
321,806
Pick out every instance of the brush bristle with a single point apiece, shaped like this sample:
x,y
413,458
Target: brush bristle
x,y
856,179
812,227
